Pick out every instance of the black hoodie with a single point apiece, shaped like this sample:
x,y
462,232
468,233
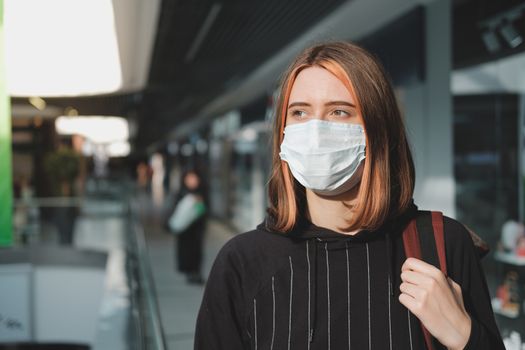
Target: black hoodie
x,y
314,288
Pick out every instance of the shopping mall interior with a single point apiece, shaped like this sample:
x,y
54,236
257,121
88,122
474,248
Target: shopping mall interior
x,y
109,108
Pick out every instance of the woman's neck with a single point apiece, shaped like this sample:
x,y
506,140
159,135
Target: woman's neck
x,y
331,212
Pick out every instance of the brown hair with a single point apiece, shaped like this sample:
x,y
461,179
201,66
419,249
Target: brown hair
x,y
387,184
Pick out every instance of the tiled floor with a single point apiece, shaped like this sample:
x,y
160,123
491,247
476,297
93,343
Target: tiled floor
x,y
178,301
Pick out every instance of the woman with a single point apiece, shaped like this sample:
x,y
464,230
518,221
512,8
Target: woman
x,y
327,268
189,242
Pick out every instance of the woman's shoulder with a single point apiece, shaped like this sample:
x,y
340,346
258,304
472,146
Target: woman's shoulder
x,y
455,231
460,249
252,257
256,243
457,237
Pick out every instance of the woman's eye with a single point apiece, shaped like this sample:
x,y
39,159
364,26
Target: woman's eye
x,y
341,113
299,113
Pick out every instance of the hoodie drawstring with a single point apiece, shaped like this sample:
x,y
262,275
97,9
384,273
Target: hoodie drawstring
x,y
390,272
314,321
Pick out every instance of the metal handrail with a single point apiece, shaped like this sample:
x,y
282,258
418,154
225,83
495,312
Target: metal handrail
x,y
146,285
49,201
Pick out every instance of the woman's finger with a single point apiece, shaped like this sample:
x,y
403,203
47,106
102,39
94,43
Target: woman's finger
x,y
412,304
425,268
456,291
419,265
428,283
415,277
413,290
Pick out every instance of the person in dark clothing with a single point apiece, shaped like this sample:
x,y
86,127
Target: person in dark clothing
x,y
189,243
327,268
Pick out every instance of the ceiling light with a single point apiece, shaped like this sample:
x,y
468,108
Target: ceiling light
x,y
118,149
203,31
38,103
513,38
491,41
502,21
61,47
71,112
98,129
186,150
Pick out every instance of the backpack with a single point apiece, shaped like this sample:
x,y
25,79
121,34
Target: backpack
x,y
420,244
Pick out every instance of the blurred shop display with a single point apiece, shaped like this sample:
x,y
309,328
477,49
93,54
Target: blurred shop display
x,y
509,298
511,251
486,161
220,164
239,159
511,247
250,171
514,342
488,145
508,301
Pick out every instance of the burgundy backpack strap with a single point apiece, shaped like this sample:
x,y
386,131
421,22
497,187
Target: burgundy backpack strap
x,y
411,241
412,245
439,236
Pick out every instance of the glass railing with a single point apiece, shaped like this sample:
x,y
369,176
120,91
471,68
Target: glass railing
x,y
106,223
144,296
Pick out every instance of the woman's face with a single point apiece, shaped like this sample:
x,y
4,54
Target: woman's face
x,y
318,94
191,181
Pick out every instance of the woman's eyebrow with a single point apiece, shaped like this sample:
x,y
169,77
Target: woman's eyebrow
x,y
296,104
330,103
339,103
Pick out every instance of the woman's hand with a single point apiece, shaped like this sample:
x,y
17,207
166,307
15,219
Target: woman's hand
x,y
437,301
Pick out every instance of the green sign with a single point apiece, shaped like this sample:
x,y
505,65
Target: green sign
x,y
6,182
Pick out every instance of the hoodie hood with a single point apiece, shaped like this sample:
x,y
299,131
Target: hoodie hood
x,y
332,240
306,230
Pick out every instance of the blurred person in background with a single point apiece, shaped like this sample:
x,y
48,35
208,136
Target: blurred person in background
x,y
157,179
189,241
327,268
25,218
143,175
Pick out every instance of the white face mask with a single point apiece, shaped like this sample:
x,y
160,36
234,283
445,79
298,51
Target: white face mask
x,y
326,157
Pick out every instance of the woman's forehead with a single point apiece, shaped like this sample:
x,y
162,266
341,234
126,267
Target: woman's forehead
x,y
314,84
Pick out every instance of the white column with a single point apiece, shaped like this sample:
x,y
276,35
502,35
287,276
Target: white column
x,y
428,111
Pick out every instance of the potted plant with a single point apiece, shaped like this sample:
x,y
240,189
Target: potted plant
x,y
62,167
